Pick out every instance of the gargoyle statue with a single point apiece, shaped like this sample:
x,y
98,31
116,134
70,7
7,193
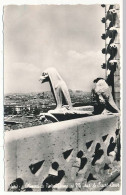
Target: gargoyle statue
x,y
64,109
58,87
104,97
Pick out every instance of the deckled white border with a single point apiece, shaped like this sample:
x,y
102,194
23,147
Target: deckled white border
x,y
1,102
72,2
37,2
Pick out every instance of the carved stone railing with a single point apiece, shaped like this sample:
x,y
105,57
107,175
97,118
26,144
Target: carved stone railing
x,y
79,154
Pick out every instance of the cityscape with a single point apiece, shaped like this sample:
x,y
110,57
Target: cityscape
x,y
22,110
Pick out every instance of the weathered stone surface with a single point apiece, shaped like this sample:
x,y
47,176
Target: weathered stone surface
x,y
76,139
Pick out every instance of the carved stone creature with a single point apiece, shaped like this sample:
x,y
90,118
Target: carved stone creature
x,y
64,109
58,88
104,96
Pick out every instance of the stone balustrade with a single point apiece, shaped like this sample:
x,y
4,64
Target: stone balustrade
x,y
80,154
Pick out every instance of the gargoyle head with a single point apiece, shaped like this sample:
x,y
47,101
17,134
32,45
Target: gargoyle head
x,y
44,78
104,95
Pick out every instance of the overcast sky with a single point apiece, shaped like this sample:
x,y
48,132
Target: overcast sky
x,y
67,37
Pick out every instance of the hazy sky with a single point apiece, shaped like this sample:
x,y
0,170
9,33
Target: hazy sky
x,y
67,37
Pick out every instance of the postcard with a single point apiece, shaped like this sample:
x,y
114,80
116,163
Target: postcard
x,y
62,63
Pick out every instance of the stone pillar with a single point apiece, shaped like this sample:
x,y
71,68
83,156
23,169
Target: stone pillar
x,y
112,49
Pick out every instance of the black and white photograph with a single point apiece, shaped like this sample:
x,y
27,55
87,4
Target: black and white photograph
x,y
62,110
